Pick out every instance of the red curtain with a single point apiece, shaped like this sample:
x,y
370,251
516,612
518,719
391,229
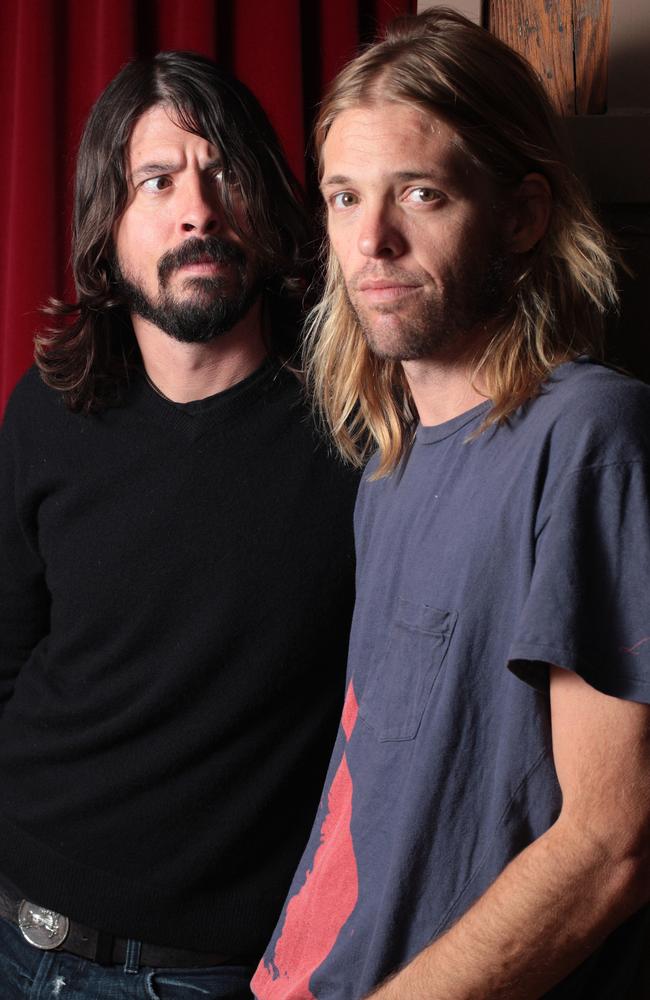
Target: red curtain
x,y
57,55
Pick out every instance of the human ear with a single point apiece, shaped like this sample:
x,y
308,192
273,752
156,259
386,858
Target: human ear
x,y
532,211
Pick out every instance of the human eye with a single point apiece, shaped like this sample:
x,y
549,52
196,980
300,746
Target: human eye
x,y
223,177
155,184
342,200
424,196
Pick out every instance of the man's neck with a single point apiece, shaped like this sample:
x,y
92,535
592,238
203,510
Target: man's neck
x,y
186,372
444,385
442,390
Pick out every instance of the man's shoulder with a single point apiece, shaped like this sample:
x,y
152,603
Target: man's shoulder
x,y
290,393
593,409
31,397
28,384
596,389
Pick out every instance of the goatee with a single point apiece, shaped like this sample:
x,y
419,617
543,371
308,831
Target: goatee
x,y
210,306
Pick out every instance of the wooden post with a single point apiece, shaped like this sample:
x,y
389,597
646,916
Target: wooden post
x,y
591,28
567,42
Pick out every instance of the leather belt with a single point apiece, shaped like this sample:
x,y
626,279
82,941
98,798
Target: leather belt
x,y
51,931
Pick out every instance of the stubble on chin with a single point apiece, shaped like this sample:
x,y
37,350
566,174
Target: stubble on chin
x,y
396,333
437,323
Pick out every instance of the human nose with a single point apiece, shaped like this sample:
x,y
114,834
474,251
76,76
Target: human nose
x,y
199,211
380,234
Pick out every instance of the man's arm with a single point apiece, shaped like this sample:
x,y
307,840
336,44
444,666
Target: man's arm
x,y
24,598
561,897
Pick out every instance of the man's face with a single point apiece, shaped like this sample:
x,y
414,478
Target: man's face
x,y
179,265
416,231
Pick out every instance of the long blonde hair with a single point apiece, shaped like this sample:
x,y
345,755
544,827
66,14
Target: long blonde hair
x,y
445,65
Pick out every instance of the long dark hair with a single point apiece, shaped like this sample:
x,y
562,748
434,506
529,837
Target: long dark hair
x,y
86,354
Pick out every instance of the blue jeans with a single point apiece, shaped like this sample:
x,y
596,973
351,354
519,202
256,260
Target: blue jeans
x,y
26,973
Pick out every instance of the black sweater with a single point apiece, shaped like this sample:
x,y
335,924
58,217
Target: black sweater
x,y
175,595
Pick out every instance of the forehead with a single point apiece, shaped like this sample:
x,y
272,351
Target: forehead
x,y
156,131
392,137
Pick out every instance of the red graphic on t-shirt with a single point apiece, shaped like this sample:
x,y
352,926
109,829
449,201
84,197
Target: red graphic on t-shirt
x,y
350,712
316,914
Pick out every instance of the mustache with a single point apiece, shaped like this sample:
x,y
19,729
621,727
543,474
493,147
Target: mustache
x,y
212,249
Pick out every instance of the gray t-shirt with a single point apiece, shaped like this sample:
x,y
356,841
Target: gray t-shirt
x,y
480,561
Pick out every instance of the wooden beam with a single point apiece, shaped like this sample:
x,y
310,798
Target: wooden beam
x,y
591,27
542,32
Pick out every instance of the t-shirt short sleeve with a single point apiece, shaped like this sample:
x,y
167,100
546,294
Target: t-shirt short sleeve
x,y
588,605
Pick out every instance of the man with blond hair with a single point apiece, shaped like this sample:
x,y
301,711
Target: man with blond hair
x,y
483,832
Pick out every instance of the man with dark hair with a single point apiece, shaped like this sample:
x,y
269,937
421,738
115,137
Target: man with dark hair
x,y
176,564
484,832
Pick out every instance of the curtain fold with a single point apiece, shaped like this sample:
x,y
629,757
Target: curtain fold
x,y
57,55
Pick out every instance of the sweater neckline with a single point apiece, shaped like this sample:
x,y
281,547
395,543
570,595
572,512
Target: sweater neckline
x,y
192,420
217,399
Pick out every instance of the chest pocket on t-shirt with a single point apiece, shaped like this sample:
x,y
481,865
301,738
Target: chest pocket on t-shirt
x,y
398,687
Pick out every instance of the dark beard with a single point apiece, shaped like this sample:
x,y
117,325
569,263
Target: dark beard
x,y
213,309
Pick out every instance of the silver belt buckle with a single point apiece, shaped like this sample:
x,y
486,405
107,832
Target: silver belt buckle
x,y
43,928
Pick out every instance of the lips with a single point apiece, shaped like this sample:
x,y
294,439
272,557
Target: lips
x,y
382,283
205,262
385,290
206,259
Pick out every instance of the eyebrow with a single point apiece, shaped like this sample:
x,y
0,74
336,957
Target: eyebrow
x,y
152,169
167,167
336,180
